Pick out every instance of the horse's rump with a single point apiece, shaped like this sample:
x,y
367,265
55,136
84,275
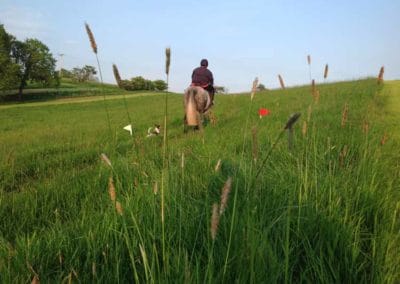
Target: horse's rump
x,y
197,101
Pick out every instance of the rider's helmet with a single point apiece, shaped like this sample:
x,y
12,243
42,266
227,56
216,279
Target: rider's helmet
x,y
204,62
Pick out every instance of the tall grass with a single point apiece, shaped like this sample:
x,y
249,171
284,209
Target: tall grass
x,y
327,211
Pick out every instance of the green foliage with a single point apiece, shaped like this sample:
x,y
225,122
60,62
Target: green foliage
x,y
160,85
317,214
21,62
261,87
8,69
141,84
66,73
84,74
220,89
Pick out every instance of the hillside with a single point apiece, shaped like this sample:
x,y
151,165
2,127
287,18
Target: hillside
x,y
325,210
67,89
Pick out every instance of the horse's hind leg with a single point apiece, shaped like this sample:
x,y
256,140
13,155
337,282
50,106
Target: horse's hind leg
x,y
185,125
199,122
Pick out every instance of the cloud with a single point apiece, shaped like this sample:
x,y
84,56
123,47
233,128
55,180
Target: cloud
x,y
24,22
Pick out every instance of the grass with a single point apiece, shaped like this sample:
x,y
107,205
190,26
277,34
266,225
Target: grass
x,y
67,89
317,213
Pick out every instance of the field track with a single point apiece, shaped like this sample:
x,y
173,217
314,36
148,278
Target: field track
x,y
78,100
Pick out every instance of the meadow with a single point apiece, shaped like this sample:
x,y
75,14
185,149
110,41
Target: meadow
x,y
325,210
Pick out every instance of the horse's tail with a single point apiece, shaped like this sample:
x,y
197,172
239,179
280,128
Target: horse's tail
x,y
190,107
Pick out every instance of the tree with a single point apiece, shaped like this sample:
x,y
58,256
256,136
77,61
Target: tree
x,y
160,85
84,74
35,63
261,87
220,90
9,70
138,83
64,73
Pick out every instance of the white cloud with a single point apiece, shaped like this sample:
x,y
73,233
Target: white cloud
x,y
24,22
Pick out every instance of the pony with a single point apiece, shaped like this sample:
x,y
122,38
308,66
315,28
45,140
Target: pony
x,y
197,103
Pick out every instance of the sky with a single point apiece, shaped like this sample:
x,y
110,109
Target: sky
x,y
242,39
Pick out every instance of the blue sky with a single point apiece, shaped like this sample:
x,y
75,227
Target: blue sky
x,y
241,39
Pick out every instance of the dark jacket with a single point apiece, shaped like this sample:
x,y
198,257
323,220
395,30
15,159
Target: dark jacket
x,y
202,77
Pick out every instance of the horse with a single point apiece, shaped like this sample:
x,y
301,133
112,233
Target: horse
x,y
197,103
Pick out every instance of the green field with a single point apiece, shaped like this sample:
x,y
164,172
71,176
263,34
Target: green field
x,y
325,211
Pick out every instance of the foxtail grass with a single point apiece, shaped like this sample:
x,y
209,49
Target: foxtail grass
x,y
254,88
217,166
225,195
304,128
384,138
111,190
214,221
106,160
281,82
117,76
288,126
326,71
380,76
93,44
309,65
164,174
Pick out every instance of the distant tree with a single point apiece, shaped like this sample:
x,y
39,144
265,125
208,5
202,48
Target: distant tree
x,y
261,87
9,70
149,85
220,90
138,83
160,85
126,85
84,74
64,73
35,63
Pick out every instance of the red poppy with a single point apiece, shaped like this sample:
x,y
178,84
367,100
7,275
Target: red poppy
x,y
263,112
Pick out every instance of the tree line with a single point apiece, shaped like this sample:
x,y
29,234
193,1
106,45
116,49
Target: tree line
x,y
25,61
30,61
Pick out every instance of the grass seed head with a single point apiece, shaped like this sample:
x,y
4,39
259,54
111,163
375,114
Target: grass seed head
x,y
304,129
111,189
380,76
225,195
385,137
217,166
183,160
167,60
292,120
118,207
309,59
155,188
214,221
343,155
91,38
116,75
281,82
105,159
35,280
326,71
254,88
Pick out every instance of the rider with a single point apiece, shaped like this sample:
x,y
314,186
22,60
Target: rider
x,y
202,77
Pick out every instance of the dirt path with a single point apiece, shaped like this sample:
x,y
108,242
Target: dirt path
x,y
77,100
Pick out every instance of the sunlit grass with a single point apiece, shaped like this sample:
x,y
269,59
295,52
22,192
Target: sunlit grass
x,y
326,211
